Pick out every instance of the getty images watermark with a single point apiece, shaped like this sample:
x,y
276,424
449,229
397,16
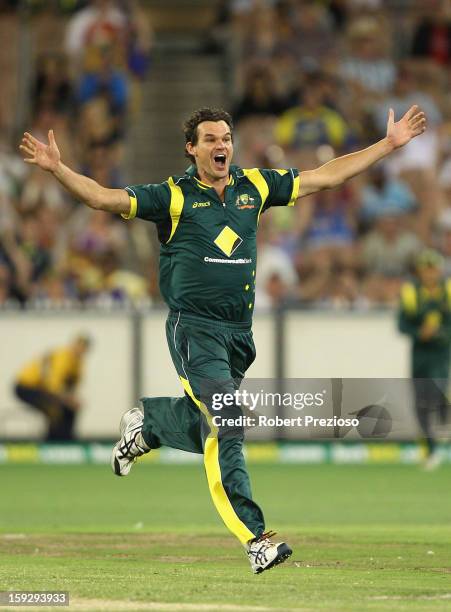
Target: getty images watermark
x,y
323,408
250,401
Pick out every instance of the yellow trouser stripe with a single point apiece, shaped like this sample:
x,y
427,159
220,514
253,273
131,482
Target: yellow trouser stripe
x,y
213,470
176,206
295,192
258,180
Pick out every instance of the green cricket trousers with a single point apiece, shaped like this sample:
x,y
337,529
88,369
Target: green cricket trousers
x,y
210,357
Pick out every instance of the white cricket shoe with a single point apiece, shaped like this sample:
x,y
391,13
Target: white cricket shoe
x,y
264,554
433,461
127,449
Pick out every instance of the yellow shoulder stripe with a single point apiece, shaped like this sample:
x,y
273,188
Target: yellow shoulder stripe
x,y
258,180
409,299
176,206
133,208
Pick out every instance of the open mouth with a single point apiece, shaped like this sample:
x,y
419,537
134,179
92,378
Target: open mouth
x,y
220,161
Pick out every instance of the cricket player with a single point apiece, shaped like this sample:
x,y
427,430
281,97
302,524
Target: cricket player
x,y
49,382
425,316
207,221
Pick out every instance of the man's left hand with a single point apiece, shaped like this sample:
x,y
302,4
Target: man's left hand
x,y
401,132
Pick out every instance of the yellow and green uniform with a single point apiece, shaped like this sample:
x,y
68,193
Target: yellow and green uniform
x,y
208,259
208,252
42,384
300,127
56,372
430,359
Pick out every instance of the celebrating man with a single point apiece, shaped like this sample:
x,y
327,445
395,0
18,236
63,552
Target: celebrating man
x,y
207,222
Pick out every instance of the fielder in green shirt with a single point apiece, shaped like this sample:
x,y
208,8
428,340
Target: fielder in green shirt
x,y
207,221
425,316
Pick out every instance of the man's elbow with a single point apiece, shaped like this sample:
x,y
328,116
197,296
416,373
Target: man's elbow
x,y
93,203
335,181
329,180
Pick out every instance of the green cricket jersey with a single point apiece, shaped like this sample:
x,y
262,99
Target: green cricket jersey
x,y
208,252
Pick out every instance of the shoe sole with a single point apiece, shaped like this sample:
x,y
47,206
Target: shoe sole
x,y
283,552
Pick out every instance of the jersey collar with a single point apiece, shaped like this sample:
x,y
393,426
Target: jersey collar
x,y
235,173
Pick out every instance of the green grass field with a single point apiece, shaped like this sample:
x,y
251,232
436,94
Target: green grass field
x,y
364,538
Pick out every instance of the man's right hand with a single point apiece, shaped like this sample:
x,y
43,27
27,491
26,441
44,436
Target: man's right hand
x,y
83,188
45,156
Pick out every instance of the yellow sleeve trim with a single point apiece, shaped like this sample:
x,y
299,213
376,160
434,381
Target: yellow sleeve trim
x,y
176,206
409,300
295,192
133,208
258,180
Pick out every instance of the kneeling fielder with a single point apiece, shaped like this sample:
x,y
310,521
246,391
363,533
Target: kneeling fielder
x,y
207,221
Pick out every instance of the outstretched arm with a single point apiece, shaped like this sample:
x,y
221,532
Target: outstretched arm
x,y
47,157
337,171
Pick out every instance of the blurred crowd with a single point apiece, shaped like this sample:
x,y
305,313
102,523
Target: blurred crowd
x,y
316,80
52,250
311,80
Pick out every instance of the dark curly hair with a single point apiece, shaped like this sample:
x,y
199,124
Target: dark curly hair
x,y
200,115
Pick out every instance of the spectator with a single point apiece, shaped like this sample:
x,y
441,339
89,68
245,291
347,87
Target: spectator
x,y
101,164
107,82
444,179
405,93
313,34
259,96
52,87
100,23
332,226
388,253
31,243
432,36
367,66
328,243
5,285
139,39
96,233
312,124
383,194
277,278
417,163
40,190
